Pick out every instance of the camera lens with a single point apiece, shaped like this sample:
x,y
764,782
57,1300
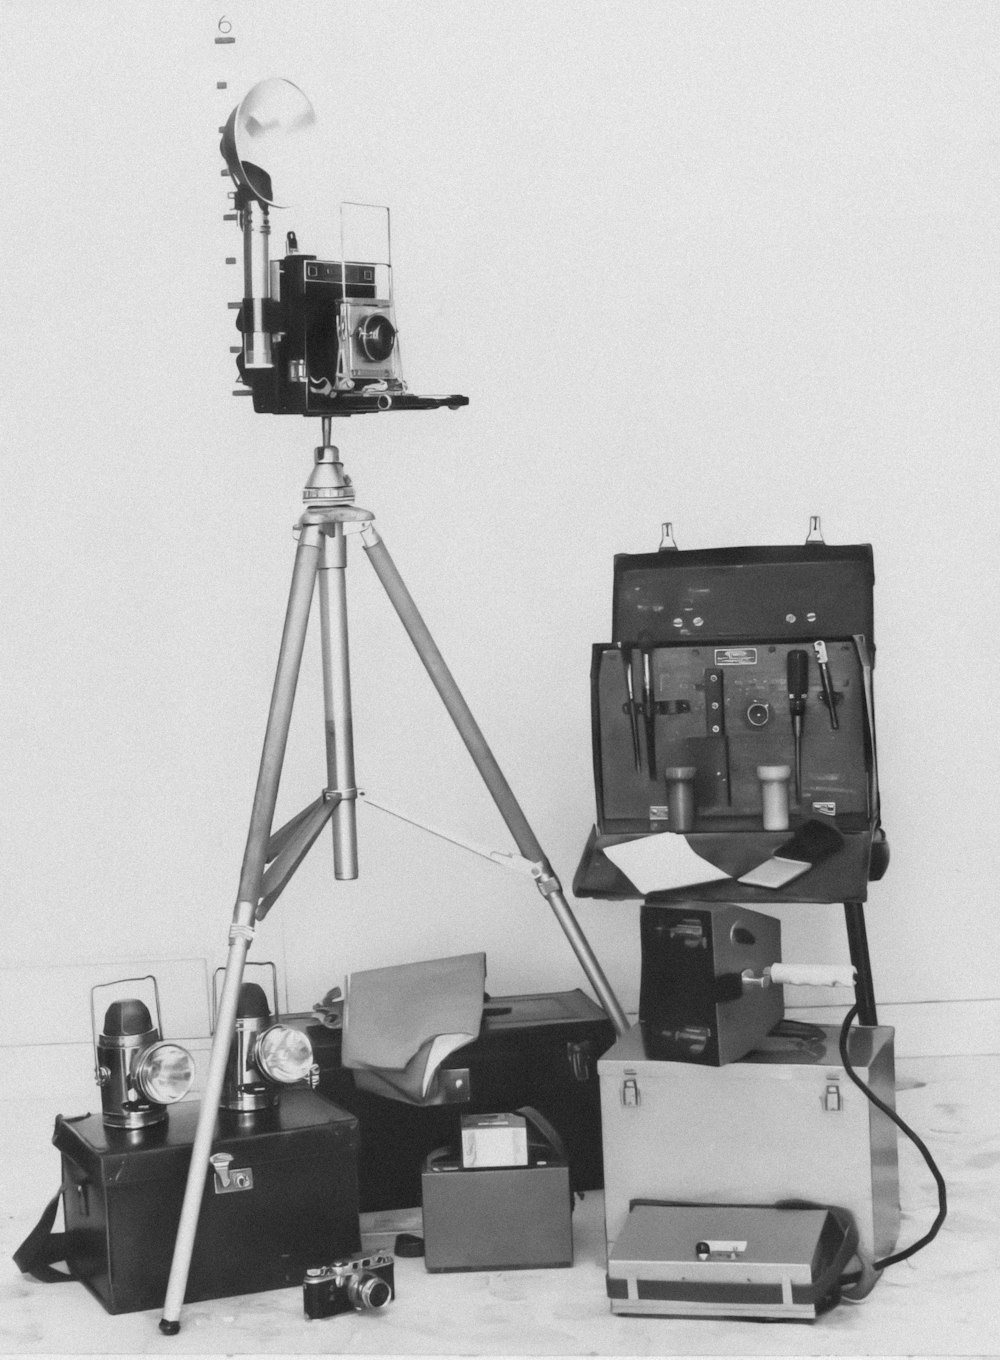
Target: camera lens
x,y
376,336
369,1293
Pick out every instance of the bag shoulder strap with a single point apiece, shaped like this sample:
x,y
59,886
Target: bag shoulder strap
x,y
42,1246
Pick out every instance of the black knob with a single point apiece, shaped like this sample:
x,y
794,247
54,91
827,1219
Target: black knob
x,y
798,680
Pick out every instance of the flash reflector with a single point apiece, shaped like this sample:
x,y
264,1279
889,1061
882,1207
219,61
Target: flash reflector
x,y
284,1055
165,1073
263,142
264,1053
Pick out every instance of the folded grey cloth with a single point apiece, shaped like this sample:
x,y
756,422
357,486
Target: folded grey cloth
x,y
400,1023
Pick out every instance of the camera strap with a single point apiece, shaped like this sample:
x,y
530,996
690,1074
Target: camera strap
x,y
554,1140
42,1246
551,1136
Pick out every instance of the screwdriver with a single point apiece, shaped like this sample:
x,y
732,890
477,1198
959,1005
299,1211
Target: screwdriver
x,y
629,706
798,688
649,709
824,674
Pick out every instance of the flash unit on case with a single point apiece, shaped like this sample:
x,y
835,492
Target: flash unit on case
x,y
264,1054
138,1071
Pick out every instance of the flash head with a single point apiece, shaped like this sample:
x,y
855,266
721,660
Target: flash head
x,y
264,1054
138,1071
263,137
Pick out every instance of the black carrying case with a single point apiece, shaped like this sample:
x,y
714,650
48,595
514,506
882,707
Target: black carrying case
x,y
122,1192
538,1049
714,628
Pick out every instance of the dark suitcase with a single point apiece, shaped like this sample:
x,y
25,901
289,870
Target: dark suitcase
x,y
122,1195
539,1050
697,683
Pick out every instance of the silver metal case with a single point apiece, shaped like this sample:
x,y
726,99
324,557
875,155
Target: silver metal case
x,y
775,1126
722,1261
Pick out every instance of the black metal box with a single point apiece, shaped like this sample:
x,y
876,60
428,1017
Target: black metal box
x,y
693,1003
122,1193
539,1049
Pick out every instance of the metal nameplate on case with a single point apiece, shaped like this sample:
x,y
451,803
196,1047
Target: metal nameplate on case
x,y
455,1085
736,656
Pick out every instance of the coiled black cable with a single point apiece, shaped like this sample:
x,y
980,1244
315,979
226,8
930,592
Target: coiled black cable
x,y
932,1232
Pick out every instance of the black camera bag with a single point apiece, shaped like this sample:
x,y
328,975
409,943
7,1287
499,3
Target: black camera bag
x,y
538,1049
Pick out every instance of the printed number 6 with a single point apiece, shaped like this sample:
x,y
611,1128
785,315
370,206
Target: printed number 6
x,y
224,25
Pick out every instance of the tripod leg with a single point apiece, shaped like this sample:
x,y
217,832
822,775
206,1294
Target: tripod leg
x,y
337,702
489,770
241,930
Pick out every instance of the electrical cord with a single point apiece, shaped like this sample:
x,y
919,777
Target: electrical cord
x,y
879,1104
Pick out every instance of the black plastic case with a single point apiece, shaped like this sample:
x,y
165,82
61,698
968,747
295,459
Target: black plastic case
x,y
122,1195
539,1049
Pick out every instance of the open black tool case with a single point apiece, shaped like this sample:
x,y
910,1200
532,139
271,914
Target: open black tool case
x,y
697,682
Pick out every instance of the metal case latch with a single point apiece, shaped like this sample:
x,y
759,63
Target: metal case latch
x,y
630,1092
227,1180
455,1085
581,1055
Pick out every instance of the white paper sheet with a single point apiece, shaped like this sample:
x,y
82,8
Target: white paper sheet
x,y
657,863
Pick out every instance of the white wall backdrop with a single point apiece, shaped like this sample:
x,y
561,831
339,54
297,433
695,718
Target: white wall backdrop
x,y
729,265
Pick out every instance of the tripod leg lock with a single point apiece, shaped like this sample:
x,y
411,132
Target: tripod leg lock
x,y
545,880
240,932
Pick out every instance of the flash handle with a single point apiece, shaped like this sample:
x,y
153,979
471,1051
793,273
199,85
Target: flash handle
x,y
256,228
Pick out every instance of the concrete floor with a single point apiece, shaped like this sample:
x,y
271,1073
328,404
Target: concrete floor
x,y
942,1302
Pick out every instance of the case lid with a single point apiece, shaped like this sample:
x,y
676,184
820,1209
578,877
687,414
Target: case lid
x,y
505,1020
774,593
127,1156
660,1234
864,1045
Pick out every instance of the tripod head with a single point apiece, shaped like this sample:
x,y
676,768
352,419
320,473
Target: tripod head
x,y
328,484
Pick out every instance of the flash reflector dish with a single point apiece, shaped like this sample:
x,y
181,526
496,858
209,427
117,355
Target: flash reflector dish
x,y
284,1054
164,1073
263,142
